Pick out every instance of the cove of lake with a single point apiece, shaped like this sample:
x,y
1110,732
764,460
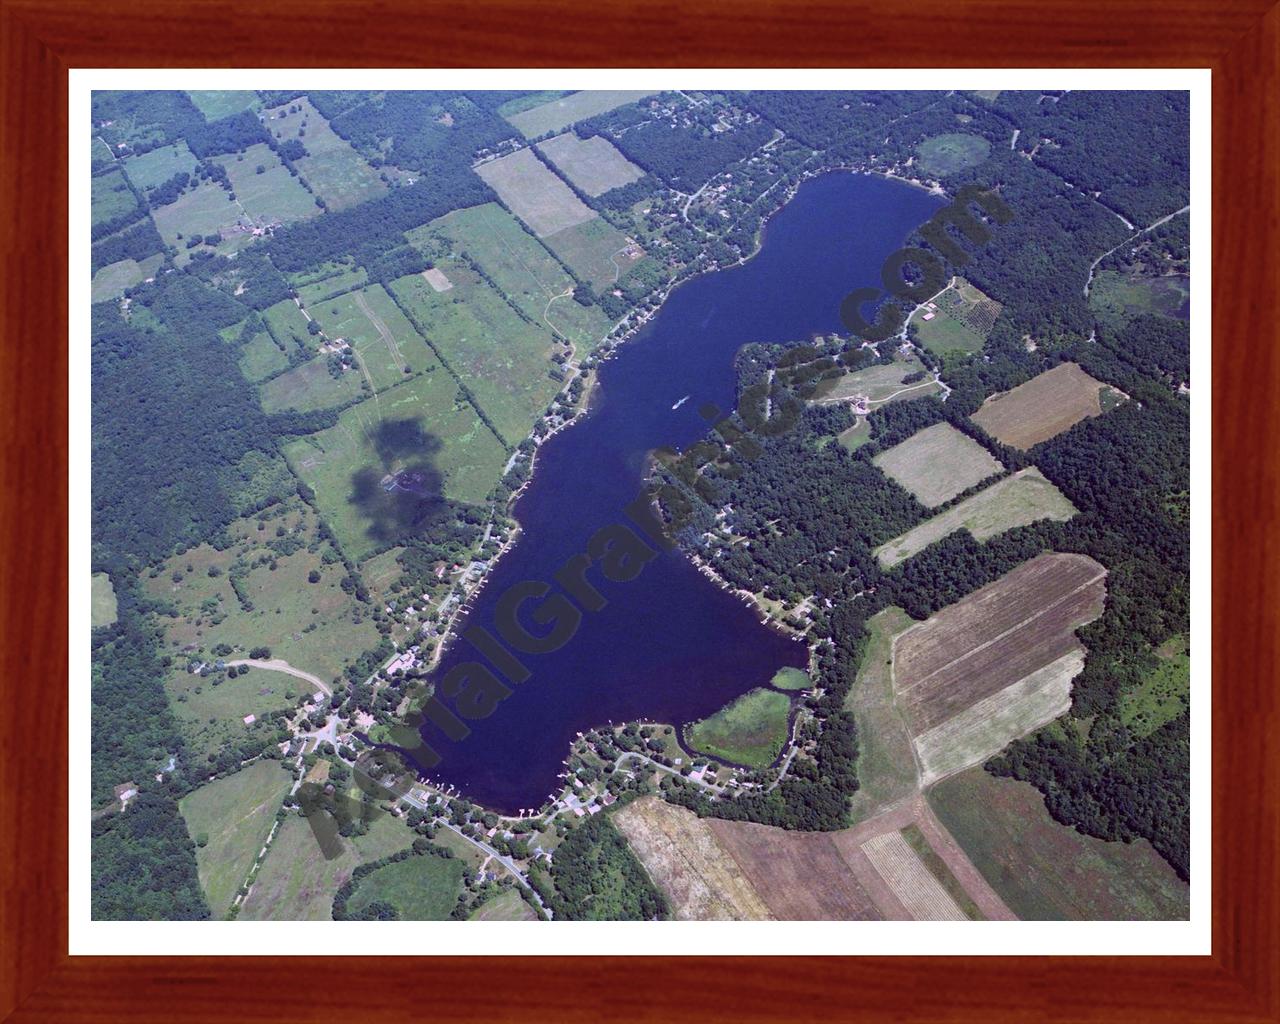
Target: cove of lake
x,y
670,646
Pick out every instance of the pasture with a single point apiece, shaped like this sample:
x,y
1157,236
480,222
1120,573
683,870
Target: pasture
x,y
937,463
310,386
422,887
102,600
338,174
327,281
521,268
111,196
558,114
387,347
206,210
596,251
508,905
260,357
878,384
316,627
996,664
919,892
750,731
1043,407
680,852
234,815
962,317
297,883
215,104
594,165
147,170
111,281
504,359
269,196
533,193
1022,498
946,154
1045,871
423,425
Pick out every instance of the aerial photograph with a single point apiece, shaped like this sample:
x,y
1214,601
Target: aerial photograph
x,y
627,505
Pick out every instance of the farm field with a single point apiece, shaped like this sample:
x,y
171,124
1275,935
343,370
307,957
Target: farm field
x,y
560,113
260,357
272,197
111,281
420,426
338,174
596,251
206,210
937,463
594,165
296,883
327,281
111,196
946,154
522,269
386,345
506,906
1043,407
886,762
962,318
533,193
879,384
750,731
234,815
422,887
147,170
216,104
504,359
102,600
1047,871
686,861
310,386
315,628
900,866
1017,500
997,663
288,326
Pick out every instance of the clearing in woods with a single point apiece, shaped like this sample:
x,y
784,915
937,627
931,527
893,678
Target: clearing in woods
x,y
205,211
505,360
685,860
147,170
215,104
506,906
1043,407
111,281
521,267
962,317
422,887
946,154
111,196
560,113
102,600
879,384
593,164
271,195
229,819
1019,499
996,664
1046,871
337,173
533,193
937,463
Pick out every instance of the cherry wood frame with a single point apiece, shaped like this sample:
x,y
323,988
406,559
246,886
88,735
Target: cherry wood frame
x,y
41,39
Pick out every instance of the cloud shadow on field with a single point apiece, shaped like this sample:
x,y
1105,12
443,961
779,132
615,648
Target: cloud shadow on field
x,y
404,492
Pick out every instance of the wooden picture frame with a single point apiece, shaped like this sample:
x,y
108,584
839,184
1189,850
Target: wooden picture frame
x,y
41,39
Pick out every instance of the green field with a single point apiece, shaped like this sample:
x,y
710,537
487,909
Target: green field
x,y
216,104
297,883
1049,872
272,197
102,600
878,384
1164,693
856,436
558,113
327,280
310,386
288,325
1120,295
504,359
506,906
424,426
207,210
337,173
593,251
387,347
423,887
316,627
791,679
946,154
594,165
1017,500
886,764
944,334
155,168
521,268
111,281
530,100
235,814
260,357
112,196
750,731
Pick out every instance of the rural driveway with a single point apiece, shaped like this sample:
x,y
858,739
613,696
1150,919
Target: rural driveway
x,y
280,665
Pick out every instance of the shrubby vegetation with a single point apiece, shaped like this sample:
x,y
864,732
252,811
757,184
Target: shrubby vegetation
x,y
597,878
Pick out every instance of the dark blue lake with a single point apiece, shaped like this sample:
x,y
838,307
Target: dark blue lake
x,y
670,646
